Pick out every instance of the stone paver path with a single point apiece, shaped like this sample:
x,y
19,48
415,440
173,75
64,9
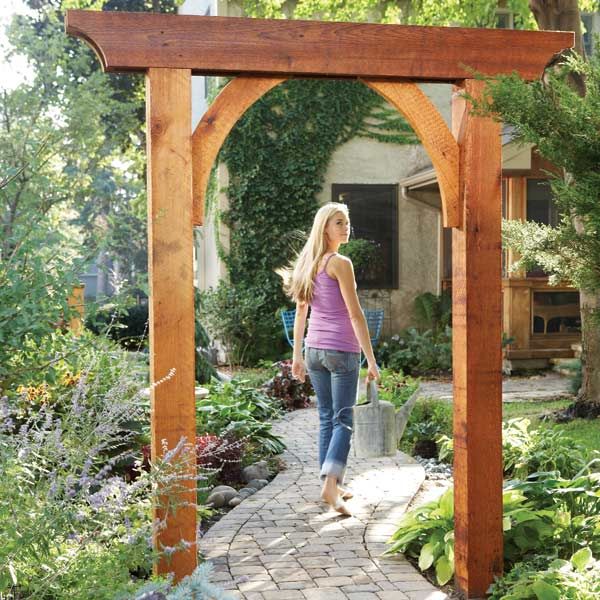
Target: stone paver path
x,y
282,543
548,386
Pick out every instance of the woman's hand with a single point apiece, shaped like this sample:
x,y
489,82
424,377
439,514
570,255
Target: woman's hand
x,y
298,369
372,372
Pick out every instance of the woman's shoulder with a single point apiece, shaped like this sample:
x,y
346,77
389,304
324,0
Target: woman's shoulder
x,y
340,260
338,265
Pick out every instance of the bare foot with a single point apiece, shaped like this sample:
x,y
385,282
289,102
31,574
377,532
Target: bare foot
x,y
336,502
345,494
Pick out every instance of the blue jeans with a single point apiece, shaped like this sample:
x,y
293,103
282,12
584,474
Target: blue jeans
x,y
334,375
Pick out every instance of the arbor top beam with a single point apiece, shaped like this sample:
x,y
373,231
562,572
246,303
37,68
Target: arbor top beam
x,y
129,41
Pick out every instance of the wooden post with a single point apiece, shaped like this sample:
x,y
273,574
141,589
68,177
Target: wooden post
x,y
76,301
168,105
477,356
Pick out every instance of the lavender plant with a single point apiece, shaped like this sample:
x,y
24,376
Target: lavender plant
x,y
72,527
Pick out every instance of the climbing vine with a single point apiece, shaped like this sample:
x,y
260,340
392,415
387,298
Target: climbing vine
x,y
277,156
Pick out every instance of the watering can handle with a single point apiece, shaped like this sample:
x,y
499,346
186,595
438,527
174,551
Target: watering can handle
x,y
372,395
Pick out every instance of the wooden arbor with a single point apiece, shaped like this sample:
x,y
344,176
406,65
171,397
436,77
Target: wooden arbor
x,y
390,59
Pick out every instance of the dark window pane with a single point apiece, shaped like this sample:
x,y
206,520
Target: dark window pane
x,y
541,208
374,217
556,312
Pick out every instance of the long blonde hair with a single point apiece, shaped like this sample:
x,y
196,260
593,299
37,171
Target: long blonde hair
x,y
299,275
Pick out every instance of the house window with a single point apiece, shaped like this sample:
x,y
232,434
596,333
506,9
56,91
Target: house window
x,y
373,217
504,19
541,208
556,313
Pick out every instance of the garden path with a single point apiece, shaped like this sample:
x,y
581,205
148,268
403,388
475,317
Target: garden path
x,y
545,386
283,544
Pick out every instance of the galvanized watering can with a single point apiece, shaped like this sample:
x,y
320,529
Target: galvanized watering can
x,y
377,426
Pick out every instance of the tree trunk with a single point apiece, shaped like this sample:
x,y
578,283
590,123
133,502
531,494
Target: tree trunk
x,y
559,15
564,15
587,403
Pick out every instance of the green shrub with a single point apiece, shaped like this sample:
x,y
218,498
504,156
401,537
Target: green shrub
x,y
416,352
73,528
237,409
395,387
427,532
527,451
365,256
577,578
429,419
128,326
544,514
236,316
433,312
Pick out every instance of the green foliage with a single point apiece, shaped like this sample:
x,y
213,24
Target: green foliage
x,y
427,533
429,421
433,312
395,387
527,451
128,326
563,125
364,254
204,370
477,13
196,586
239,316
72,526
577,578
238,409
417,353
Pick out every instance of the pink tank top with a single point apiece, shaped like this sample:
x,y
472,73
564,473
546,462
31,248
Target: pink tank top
x,y
329,325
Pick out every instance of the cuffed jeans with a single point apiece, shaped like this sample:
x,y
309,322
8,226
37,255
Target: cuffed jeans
x,y
334,375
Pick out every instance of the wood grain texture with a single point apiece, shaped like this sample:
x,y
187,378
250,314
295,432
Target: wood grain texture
x,y
435,136
282,47
208,137
477,356
168,105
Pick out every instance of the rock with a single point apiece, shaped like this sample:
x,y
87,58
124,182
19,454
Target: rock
x,y
216,499
154,595
247,491
235,501
257,483
259,470
226,491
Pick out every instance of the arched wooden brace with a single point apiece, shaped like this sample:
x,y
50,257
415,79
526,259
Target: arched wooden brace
x,y
208,137
239,94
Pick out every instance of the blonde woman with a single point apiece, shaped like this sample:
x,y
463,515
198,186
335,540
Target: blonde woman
x,y
324,280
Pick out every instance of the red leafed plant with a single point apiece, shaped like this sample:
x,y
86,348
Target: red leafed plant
x,y
292,393
221,452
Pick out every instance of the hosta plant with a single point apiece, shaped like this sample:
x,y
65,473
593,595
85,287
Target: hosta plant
x,y
577,578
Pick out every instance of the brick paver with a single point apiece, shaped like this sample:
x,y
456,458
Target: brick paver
x,y
284,543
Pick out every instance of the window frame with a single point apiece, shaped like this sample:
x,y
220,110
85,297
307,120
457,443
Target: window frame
x,y
393,188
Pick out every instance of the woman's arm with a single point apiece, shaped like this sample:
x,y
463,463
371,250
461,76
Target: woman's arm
x,y
298,369
343,271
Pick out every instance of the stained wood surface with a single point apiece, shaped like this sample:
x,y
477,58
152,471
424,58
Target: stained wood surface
x,y
435,136
168,105
234,45
208,137
477,356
